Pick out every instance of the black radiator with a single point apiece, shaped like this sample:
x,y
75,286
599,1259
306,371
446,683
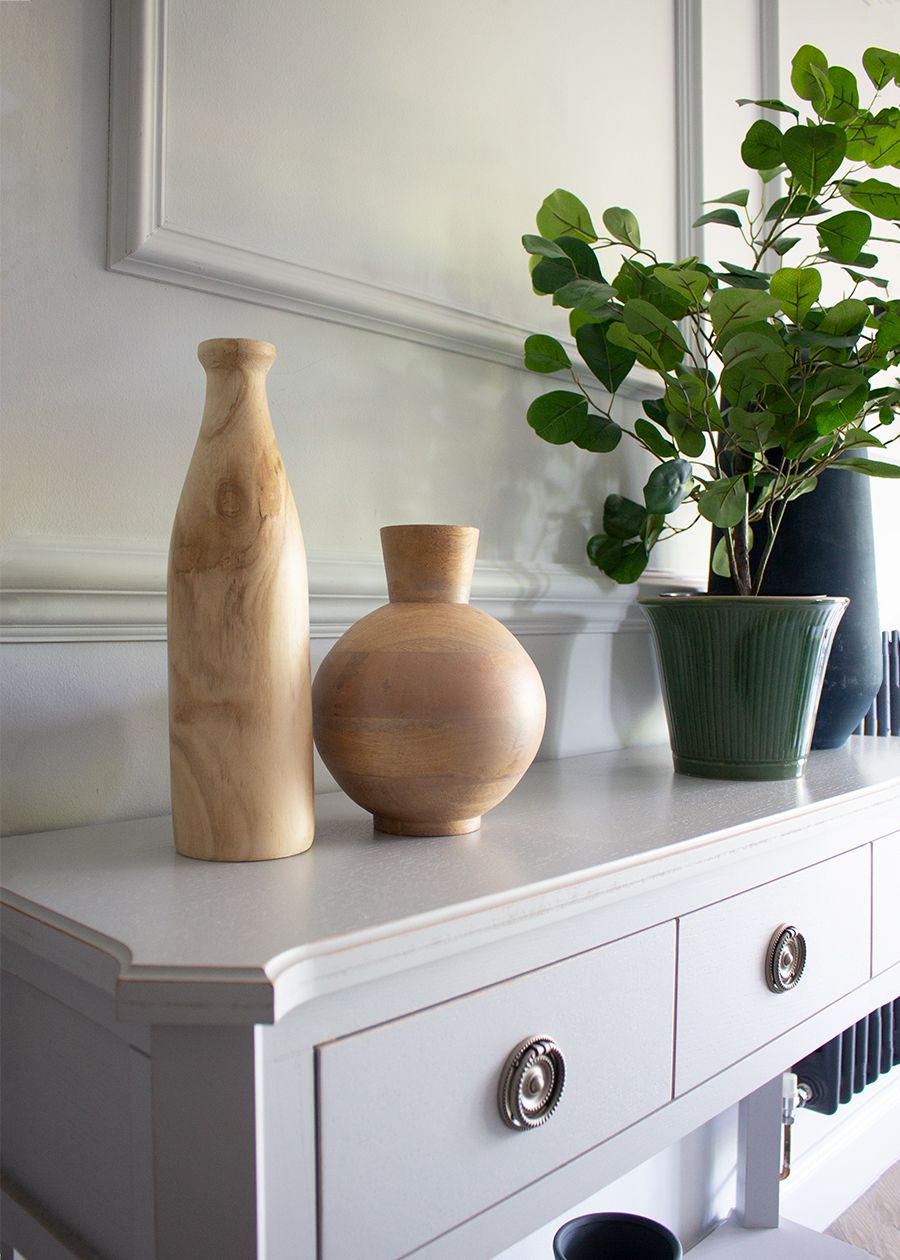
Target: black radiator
x,y
884,716
851,1061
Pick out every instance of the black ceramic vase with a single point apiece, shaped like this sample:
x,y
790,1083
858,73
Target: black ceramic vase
x,y
615,1236
826,546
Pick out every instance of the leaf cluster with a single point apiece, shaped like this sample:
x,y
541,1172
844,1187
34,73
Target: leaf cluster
x,y
763,386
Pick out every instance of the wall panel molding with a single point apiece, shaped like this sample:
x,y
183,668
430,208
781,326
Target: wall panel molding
x,y
688,125
86,590
143,241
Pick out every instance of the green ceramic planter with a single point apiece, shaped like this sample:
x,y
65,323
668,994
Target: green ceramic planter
x,y
741,679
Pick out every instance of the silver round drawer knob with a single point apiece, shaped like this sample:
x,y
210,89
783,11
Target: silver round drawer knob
x,y
785,959
531,1083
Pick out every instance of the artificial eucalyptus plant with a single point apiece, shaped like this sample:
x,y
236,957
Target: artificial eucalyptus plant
x,y
764,385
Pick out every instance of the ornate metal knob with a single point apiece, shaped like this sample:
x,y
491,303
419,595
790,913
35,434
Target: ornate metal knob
x,y
531,1083
785,959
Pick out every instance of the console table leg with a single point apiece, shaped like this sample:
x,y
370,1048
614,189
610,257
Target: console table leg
x,y
204,1142
759,1157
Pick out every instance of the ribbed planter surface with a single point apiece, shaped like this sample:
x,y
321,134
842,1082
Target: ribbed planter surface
x,y
741,678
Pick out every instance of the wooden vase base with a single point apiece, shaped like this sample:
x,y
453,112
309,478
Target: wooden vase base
x,y
440,827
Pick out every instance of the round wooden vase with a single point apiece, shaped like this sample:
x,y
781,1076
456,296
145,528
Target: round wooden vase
x,y
240,721
428,711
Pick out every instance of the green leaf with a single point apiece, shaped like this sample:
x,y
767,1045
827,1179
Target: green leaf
x,y
623,562
806,339
724,502
841,412
545,354
886,146
667,486
762,145
881,66
695,400
562,214
559,416
770,102
551,274
729,308
729,218
646,352
772,173
871,467
752,361
739,197
845,234
844,318
875,195
804,82
795,207
599,435
562,416
623,518
796,288
744,277
577,318
786,243
844,104
587,295
540,246
583,257
859,437
751,429
635,280
644,320
654,440
692,285
609,362
813,154
622,226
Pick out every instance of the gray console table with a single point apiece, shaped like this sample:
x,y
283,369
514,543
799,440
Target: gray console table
x,y
301,1059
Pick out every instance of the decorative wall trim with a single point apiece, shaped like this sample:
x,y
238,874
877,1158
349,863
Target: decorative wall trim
x,y
143,242
88,590
688,125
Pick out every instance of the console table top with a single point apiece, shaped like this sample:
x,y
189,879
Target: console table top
x,y
601,825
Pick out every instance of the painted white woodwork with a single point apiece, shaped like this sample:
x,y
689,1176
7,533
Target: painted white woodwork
x,y
789,1242
58,590
407,971
885,905
722,955
376,217
759,1156
426,1085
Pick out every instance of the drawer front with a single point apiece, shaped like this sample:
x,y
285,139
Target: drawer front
x,y
886,903
725,1006
411,1139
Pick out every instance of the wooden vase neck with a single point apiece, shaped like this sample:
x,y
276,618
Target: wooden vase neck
x,y
236,371
429,563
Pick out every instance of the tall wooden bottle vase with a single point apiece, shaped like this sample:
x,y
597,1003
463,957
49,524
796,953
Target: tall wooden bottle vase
x,y
240,721
428,711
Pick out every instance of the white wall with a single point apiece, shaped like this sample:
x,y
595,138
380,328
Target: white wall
x,y
406,147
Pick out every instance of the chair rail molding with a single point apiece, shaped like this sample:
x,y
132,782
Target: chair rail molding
x,y
70,590
142,241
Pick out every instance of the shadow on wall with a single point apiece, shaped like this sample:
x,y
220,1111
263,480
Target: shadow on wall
x,y
84,735
602,689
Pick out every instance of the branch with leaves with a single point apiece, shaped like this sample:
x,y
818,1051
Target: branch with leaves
x,y
764,387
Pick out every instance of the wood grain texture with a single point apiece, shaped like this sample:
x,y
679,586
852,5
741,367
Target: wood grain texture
x,y
428,711
238,627
873,1221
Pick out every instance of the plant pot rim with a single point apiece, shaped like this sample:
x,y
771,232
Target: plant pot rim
x,y
670,597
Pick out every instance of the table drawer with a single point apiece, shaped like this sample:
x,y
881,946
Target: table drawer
x,y
885,903
725,1006
411,1138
